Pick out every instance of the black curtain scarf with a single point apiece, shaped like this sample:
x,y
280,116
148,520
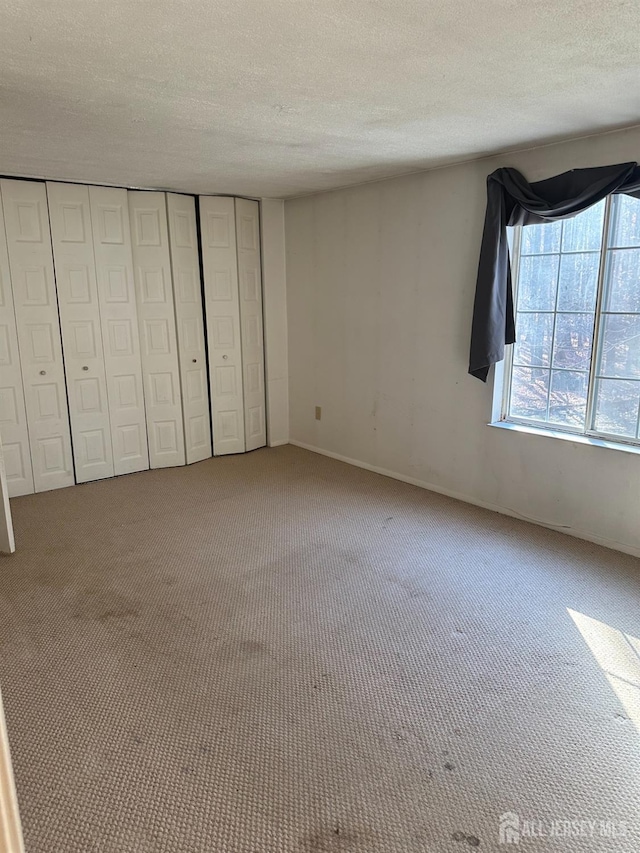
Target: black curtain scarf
x,y
512,200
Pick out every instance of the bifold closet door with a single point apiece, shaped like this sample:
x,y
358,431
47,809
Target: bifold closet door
x,y
185,266
251,326
157,325
222,309
119,324
70,215
36,308
13,413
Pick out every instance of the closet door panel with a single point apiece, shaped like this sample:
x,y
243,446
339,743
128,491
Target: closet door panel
x,y
157,324
251,327
34,293
77,290
119,325
220,265
185,266
13,414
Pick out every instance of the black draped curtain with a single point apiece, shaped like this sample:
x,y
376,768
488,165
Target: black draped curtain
x,y
512,200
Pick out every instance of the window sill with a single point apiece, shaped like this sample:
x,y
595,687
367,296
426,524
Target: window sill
x,y
567,436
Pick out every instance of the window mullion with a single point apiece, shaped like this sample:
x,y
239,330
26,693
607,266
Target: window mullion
x,y
595,341
514,261
555,321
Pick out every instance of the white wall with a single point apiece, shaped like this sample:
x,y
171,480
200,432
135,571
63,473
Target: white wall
x,y
380,282
275,320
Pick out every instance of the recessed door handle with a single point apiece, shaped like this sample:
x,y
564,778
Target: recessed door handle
x,y
195,360
43,373
225,357
85,367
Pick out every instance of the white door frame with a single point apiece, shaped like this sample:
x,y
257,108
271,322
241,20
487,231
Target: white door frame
x,y
7,541
10,828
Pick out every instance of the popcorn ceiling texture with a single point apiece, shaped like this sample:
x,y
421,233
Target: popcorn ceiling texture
x,y
291,96
280,653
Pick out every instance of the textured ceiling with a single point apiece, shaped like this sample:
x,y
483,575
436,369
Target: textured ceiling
x,y
283,97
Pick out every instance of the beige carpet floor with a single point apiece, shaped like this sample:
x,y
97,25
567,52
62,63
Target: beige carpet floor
x,y
279,652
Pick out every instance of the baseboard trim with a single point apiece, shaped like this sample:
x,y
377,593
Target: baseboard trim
x,y
633,550
279,443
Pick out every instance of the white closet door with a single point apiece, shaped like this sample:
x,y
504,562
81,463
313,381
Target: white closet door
x,y
34,293
220,266
75,268
157,324
13,414
119,322
250,289
185,266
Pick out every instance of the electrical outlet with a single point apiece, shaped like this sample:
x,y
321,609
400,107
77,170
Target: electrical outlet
x,y
318,413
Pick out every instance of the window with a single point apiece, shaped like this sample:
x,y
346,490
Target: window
x,y
576,363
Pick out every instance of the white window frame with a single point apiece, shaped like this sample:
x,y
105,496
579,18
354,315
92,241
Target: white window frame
x,y
503,370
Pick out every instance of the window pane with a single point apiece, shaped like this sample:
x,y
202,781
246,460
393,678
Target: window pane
x,y
572,341
537,239
578,284
584,231
558,278
529,393
620,348
568,398
623,281
617,407
625,221
534,333
537,283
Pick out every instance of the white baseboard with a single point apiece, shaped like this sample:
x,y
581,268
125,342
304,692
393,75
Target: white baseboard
x,y
279,443
450,493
